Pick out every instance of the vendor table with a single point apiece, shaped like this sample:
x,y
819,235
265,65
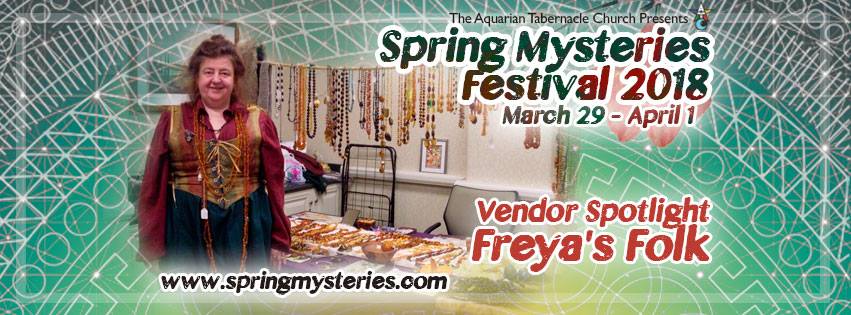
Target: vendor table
x,y
354,260
494,300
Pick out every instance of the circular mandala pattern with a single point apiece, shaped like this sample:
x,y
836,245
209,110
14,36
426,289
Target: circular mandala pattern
x,y
10,306
110,191
816,18
29,281
795,250
838,308
21,27
39,13
80,219
135,162
819,282
834,33
707,167
53,249
797,7
739,192
768,220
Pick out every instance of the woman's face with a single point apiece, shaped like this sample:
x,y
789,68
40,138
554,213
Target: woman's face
x,y
215,81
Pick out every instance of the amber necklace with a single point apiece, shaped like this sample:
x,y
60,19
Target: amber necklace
x,y
377,102
411,117
386,108
381,120
400,114
245,154
301,132
329,112
439,93
412,95
367,101
401,99
421,96
450,97
474,110
461,116
561,165
430,104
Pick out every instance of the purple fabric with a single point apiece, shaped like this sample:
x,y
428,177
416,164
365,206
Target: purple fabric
x,y
311,164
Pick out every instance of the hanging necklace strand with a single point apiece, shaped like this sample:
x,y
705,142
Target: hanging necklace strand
x,y
312,105
207,183
291,94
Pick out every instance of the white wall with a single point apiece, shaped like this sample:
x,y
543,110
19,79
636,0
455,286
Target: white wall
x,y
498,160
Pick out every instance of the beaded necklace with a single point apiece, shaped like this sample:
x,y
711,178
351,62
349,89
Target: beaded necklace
x,y
401,114
334,107
450,97
360,98
301,132
344,113
329,112
385,108
561,165
377,101
367,100
412,96
432,108
291,94
439,93
340,103
279,87
461,117
382,122
312,104
474,110
349,91
421,96
202,155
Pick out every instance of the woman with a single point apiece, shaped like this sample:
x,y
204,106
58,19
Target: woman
x,y
208,159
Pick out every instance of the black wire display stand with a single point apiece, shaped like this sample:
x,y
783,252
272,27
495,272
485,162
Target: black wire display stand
x,y
367,185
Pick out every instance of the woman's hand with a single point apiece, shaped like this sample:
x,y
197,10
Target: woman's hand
x,y
277,259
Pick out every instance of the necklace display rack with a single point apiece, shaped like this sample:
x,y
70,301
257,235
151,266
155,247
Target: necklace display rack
x,y
389,104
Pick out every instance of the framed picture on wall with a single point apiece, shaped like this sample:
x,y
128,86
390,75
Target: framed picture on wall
x,y
433,158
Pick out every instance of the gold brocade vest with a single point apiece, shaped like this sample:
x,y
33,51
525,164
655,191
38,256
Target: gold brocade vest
x,y
223,159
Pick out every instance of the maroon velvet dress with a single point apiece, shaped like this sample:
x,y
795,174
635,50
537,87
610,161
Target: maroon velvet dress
x,y
170,201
